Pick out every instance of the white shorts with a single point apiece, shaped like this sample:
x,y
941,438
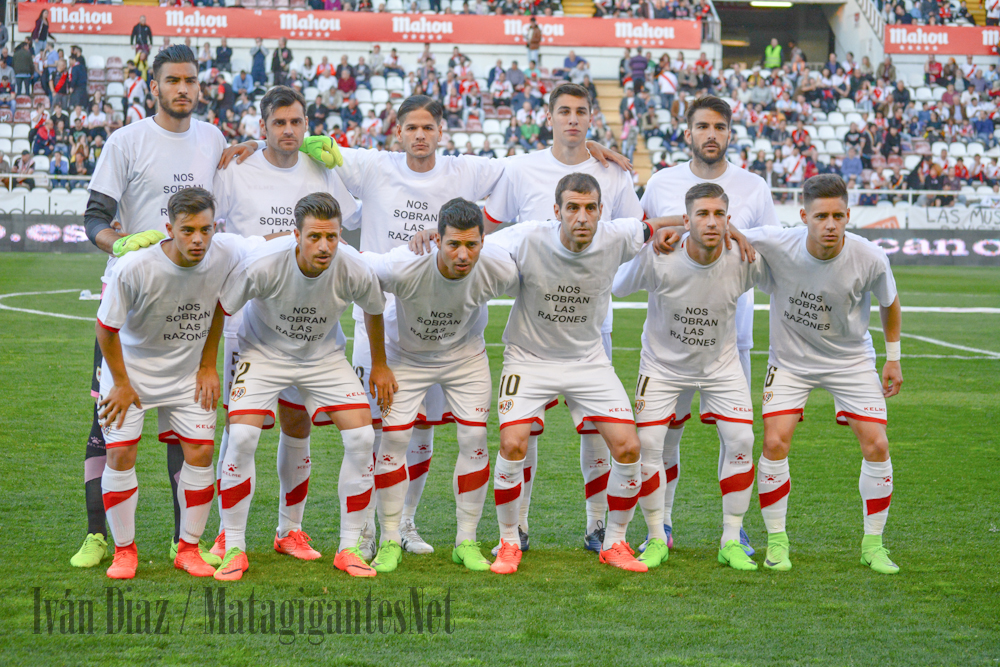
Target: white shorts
x,y
231,349
686,397
466,386
856,394
724,397
325,386
433,411
592,390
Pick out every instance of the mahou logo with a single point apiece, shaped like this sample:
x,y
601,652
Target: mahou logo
x,y
181,19
628,30
79,17
308,23
519,27
918,37
421,29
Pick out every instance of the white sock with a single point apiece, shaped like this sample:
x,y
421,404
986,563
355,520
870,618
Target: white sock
x,y
508,480
223,448
653,479
530,472
671,470
418,463
294,466
355,483
370,512
735,476
391,482
623,493
195,491
471,480
773,484
595,464
875,486
239,480
120,489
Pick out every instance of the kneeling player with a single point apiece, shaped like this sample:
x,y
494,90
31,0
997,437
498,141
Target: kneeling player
x,y
554,347
689,344
434,329
821,282
159,331
294,291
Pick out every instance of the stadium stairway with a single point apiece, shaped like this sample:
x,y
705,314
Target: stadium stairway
x,y
609,96
977,9
578,7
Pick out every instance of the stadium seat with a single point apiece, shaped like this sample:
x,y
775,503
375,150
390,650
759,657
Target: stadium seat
x,y
394,83
984,190
825,132
840,131
820,118
654,143
663,115
281,4
21,131
504,124
6,116
380,96
41,163
762,145
6,131
362,95
378,82
114,61
22,116
23,101
116,89
895,161
819,145
911,161
115,74
298,4
477,139
884,203
63,202
460,139
975,148
96,75
924,94
854,117
845,105
836,118
956,149
37,201
916,79
504,112
20,145
937,147
311,93
491,126
921,147
887,173
5,146
741,131
878,162
938,93
96,61
679,156
835,147
496,140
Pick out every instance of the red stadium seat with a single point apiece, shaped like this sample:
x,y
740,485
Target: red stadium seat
x,y
37,89
41,99
115,74
504,112
115,61
96,75
22,116
896,161
878,162
94,86
23,101
6,116
921,147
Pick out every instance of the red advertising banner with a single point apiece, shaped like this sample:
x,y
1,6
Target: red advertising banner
x,y
360,26
945,40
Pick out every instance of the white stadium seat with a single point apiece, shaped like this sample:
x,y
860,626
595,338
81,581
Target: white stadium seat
x,y
6,131
924,94
380,96
115,89
836,118
975,148
956,149
378,82
835,147
826,132
491,126
845,105
21,131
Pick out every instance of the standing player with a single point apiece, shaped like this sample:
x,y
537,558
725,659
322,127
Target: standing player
x,y
821,283
258,197
525,193
554,346
709,121
141,166
159,331
689,344
434,332
295,291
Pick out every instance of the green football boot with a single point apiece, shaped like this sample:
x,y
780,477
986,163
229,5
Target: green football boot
x,y
468,553
732,554
875,556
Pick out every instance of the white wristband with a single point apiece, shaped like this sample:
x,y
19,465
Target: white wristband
x,y
892,351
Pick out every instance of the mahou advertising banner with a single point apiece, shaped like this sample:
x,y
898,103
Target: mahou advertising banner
x,y
67,20
943,40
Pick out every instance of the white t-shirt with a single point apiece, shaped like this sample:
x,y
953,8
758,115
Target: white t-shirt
x,y
434,321
135,88
290,317
794,166
135,114
398,202
690,328
820,309
563,295
163,312
750,205
527,191
250,125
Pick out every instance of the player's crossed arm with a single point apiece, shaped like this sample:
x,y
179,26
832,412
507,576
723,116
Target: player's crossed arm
x,y
892,324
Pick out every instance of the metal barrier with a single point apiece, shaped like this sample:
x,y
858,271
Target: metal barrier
x,y
911,196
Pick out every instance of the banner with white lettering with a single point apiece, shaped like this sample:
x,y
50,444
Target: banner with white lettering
x,y
945,40
44,233
937,247
173,22
954,217
861,216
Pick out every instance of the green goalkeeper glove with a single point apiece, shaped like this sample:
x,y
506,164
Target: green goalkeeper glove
x,y
135,241
324,150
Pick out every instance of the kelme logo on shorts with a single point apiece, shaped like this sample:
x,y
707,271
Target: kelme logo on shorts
x,y
505,405
238,393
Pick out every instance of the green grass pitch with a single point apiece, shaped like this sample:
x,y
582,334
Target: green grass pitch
x,y
562,607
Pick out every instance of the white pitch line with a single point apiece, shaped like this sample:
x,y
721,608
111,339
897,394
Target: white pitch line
x,y
42,312
934,341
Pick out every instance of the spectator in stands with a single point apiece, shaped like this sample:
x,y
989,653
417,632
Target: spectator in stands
x,y
487,150
281,62
258,55
495,73
223,56
45,139
932,71
225,96
351,113
631,103
97,121
983,127
242,82
7,94
24,67
534,41
392,66
579,73
79,167
22,166
762,95
205,58
346,83
592,89
325,81
851,166
40,33
142,36
4,35
363,74
317,113
772,55
516,78
886,70
77,82
59,166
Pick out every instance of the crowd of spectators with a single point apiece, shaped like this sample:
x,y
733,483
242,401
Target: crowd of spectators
x,y
481,7
930,12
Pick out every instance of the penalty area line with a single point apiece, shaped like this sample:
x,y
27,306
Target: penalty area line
x,y
42,312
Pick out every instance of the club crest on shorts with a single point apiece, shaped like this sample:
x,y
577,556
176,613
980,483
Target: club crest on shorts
x,y
640,404
505,405
238,393
768,395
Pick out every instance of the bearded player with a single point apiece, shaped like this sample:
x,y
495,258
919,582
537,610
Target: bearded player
x,y
709,121
140,167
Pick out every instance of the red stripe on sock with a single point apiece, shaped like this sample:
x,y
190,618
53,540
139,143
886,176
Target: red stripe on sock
x,y
235,494
876,505
195,497
739,482
649,485
112,498
672,472
595,486
418,469
504,496
298,494
770,497
359,502
391,478
527,474
619,504
474,480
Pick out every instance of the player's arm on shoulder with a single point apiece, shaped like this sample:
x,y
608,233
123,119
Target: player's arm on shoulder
x,y
633,275
747,252
97,219
606,156
423,241
239,152
665,234
207,388
238,288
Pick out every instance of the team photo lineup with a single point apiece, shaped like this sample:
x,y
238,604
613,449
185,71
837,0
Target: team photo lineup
x,y
248,260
